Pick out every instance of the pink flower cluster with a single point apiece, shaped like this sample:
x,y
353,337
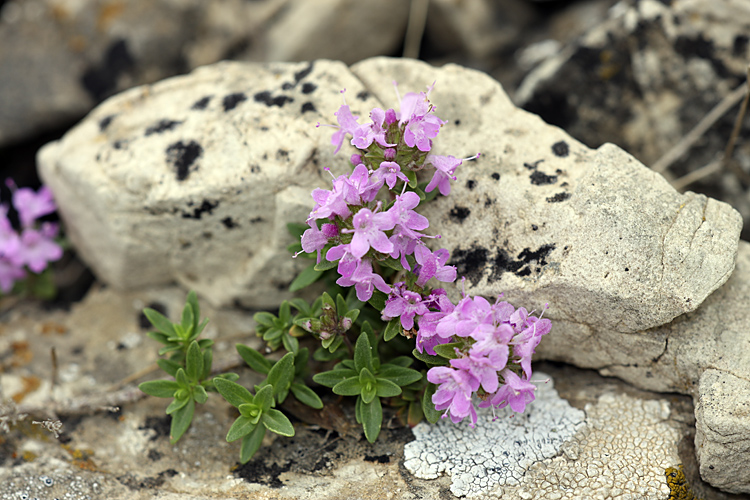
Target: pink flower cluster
x,y
495,338
34,247
359,229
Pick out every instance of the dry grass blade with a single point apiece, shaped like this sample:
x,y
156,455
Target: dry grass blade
x,y
415,28
706,123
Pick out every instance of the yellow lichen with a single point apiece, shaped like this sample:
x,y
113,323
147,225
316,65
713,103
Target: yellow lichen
x,y
679,489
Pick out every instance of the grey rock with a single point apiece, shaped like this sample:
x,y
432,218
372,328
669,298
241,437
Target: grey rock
x,y
644,77
195,178
60,59
722,437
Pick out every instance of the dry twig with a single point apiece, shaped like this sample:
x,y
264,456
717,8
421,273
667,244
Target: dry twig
x,y
415,28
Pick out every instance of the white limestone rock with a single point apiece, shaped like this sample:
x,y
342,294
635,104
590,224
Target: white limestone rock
x,y
619,446
539,216
722,437
195,178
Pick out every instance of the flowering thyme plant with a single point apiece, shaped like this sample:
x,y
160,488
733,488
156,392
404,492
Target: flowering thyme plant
x,y
26,250
364,234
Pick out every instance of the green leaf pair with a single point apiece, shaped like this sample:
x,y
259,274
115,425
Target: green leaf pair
x,y
365,378
256,416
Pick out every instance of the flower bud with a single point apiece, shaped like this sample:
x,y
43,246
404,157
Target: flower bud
x,y
325,335
356,159
389,154
346,323
390,117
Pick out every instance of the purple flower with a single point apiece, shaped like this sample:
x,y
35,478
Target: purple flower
x,y
433,264
32,205
471,317
347,125
38,248
404,216
348,263
515,392
482,368
454,393
9,274
445,166
10,243
389,172
364,281
329,204
405,304
368,232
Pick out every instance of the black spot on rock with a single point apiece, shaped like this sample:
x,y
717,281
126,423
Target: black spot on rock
x,y
100,80
299,75
459,214
487,201
206,207
257,219
532,166
495,176
739,46
308,88
266,98
308,106
704,49
558,197
287,86
470,263
457,122
232,100
282,153
162,126
154,455
534,227
363,95
201,103
561,149
258,472
255,169
540,178
381,459
521,265
119,144
105,122
229,223
160,425
182,156
471,184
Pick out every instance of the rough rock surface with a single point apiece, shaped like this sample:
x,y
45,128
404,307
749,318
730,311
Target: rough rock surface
x,y
61,57
127,455
508,447
539,216
645,76
622,447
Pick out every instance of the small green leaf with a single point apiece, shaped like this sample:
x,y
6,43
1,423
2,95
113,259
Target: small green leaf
x,y
307,277
333,377
415,414
430,413
290,343
387,389
341,307
300,305
429,359
251,443
306,396
297,229
403,361
412,176
285,313
254,359
170,348
181,421
323,354
372,418
392,263
188,320
240,428
199,330
194,361
251,411
205,343
169,366
352,314
199,394
275,421
333,346
264,318
234,393
393,329
264,398
176,404
348,387
182,379
281,375
208,359
272,334
159,337
325,265
363,353
378,300
448,351
399,375
159,321
159,388
192,301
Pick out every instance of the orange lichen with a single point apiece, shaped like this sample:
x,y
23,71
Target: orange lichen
x,y
108,13
30,384
679,489
49,327
82,458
